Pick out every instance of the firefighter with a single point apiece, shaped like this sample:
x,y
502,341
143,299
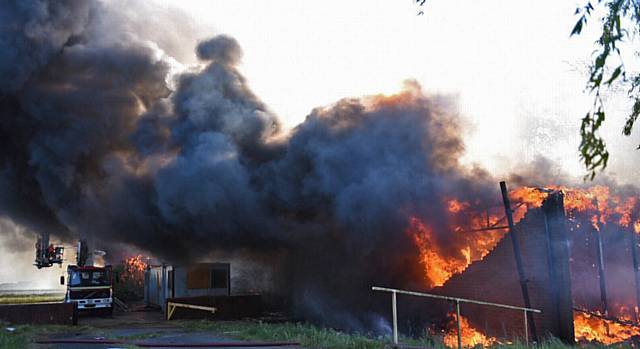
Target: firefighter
x,y
51,252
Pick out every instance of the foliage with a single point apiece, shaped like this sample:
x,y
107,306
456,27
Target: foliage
x,y
307,335
620,23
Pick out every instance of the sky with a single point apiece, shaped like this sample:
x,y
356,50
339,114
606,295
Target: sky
x,y
517,74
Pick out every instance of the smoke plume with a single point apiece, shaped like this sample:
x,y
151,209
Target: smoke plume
x,y
104,134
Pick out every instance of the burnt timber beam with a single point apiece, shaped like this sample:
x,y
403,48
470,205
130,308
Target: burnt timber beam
x,y
519,264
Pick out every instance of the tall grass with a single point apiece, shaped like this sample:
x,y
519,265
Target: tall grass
x,y
312,337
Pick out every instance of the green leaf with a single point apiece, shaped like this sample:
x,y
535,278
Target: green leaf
x,y
615,75
578,27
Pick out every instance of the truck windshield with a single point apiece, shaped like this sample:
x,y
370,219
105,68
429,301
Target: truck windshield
x,y
89,278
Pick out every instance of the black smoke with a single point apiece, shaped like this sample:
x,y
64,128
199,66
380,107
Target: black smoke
x,y
99,137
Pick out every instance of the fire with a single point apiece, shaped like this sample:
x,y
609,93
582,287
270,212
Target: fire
x,y
440,266
594,329
474,241
135,264
605,206
456,206
470,336
437,267
466,233
134,268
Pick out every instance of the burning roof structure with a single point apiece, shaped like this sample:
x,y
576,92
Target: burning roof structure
x,y
579,253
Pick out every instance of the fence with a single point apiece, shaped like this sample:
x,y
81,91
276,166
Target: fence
x,y
457,302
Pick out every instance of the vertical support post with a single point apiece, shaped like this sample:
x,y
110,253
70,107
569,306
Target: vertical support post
x,y
552,270
488,219
600,263
526,328
516,252
394,310
636,272
559,274
458,323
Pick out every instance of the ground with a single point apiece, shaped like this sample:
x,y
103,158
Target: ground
x,y
146,327
150,327
131,327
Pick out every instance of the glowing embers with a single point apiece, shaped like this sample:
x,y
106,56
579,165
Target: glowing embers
x,y
471,337
591,328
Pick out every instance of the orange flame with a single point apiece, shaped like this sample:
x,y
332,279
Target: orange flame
x,y
439,266
134,268
594,329
469,240
469,335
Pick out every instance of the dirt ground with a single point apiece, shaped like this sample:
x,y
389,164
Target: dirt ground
x,y
138,326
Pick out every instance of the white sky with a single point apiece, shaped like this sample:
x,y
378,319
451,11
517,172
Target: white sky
x,y
518,75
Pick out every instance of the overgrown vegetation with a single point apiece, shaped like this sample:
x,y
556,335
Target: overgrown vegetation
x,y
308,336
312,337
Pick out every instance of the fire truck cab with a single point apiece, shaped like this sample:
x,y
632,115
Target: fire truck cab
x,y
90,287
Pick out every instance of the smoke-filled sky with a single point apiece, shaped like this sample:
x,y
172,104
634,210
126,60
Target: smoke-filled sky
x,y
518,75
319,129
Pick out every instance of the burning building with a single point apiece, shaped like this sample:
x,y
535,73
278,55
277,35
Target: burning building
x,y
104,133
578,252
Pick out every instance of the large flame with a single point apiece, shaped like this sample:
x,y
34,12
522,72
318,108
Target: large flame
x,y
591,328
470,336
134,268
474,241
473,238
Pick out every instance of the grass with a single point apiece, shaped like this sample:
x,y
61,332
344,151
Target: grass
x,y
308,336
23,335
312,337
20,299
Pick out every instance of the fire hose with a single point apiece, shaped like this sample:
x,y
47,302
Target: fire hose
x,y
169,345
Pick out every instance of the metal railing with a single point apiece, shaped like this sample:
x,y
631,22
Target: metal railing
x,y
456,301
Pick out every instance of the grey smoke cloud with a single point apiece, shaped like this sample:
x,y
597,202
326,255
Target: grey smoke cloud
x,y
96,141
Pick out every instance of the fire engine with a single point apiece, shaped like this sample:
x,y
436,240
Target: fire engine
x,y
90,287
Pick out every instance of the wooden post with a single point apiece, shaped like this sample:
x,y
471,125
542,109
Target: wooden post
x,y
458,322
600,263
558,264
636,272
516,252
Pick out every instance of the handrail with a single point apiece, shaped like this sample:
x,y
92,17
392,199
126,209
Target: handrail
x,y
457,302
454,299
